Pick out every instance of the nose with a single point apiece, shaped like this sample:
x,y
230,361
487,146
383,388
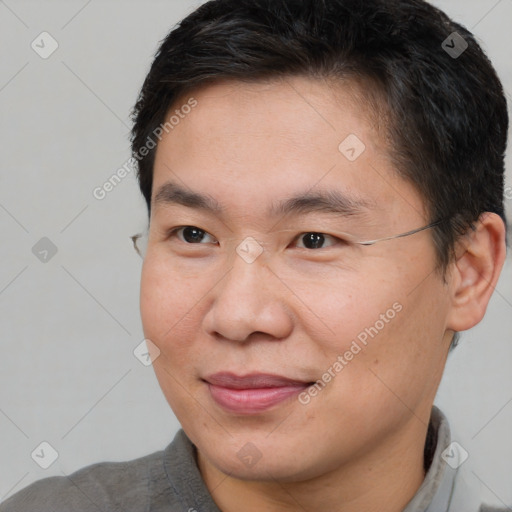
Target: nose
x,y
249,300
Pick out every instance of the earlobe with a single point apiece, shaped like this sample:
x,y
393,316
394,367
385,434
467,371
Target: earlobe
x,y
475,272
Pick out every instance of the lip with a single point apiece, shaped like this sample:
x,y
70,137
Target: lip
x,y
253,393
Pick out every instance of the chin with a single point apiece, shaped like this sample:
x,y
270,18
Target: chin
x,y
259,460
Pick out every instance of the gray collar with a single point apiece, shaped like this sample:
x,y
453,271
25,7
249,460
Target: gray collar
x,y
443,489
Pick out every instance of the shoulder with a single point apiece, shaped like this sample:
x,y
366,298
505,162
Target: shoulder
x,y
113,486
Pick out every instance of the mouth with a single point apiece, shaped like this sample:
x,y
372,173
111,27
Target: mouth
x,y
253,393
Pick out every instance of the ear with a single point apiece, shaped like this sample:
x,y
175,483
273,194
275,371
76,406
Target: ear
x,y
479,259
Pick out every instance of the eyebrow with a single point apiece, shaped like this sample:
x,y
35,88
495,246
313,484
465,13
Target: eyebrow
x,y
328,201
171,193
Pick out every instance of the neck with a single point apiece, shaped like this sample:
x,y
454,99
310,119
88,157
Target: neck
x,y
384,479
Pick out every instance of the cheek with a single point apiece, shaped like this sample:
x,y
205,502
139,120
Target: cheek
x,y
381,328
403,353
171,309
170,305
345,306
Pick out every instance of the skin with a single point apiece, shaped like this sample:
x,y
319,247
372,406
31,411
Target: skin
x,y
358,444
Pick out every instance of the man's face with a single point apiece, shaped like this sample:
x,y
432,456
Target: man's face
x,y
295,300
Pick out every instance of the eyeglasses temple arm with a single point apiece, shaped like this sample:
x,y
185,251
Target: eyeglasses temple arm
x,y
401,235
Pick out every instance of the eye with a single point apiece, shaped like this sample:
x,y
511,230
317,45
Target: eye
x,y
316,240
193,235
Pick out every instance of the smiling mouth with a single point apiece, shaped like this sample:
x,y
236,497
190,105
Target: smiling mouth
x,y
252,394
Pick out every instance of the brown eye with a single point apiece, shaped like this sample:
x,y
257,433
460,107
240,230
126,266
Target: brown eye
x,y
193,235
316,240
313,240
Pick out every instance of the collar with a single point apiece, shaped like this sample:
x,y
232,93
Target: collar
x,y
444,488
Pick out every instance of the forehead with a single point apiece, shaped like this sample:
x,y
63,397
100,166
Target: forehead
x,y
254,143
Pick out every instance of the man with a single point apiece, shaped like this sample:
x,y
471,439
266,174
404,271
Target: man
x,y
324,181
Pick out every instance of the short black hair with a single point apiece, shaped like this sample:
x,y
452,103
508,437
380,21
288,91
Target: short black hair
x,y
445,114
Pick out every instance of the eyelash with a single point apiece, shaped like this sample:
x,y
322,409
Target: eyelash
x,y
175,233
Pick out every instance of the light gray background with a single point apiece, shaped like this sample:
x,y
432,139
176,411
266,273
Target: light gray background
x,y
67,372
